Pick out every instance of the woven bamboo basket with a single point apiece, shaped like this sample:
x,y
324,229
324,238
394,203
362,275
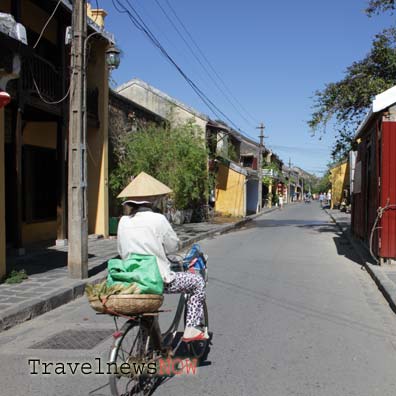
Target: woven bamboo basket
x,y
127,304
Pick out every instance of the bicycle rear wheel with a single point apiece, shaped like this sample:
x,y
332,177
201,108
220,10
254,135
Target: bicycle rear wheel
x,y
199,349
134,348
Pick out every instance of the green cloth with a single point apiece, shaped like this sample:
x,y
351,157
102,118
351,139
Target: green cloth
x,y
137,268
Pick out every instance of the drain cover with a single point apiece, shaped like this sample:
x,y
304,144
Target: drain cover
x,y
74,339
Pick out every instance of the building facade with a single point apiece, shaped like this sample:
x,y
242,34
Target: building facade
x,y
34,126
374,179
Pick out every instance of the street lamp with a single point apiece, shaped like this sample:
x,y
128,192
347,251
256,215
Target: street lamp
x,y
113,57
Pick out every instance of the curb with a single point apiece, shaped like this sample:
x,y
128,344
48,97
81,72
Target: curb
x,y
225,229
384,284
38,306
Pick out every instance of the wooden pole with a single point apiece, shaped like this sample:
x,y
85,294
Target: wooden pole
x,y
77,189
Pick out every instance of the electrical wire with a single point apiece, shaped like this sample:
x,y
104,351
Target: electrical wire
x,y
201,63
46,101
35,45
209,63
46,23
41,95
31,71
140,24
380,213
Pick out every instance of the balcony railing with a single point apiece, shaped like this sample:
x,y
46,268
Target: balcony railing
x,y
40,75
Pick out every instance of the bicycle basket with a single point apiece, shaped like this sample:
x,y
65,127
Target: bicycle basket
x,y
127,304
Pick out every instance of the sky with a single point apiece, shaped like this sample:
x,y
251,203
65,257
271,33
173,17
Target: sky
x,y
269,58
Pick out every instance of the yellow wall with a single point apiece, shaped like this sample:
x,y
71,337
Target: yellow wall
x,y
97,15
230,192
35,232
339,179
97,139
2,199
41,134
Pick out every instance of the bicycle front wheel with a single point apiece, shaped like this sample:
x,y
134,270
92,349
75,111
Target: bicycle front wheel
x,y
133,350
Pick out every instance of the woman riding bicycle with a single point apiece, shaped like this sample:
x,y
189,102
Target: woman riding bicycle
x,y
144,232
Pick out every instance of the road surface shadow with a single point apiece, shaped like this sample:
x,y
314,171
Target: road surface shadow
x,y
182,353
289,222
152,384
48,261
343,245
326,315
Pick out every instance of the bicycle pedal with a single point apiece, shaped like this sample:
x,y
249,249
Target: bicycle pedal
x,y
167,351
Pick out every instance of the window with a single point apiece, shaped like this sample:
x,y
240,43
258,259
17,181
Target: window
x,y
39,183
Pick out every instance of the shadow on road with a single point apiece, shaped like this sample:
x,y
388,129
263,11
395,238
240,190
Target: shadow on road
x,y
48,260
152,384
344,247
327,315
289,222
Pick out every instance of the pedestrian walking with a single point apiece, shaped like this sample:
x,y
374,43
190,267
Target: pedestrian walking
x,y
329,199
280,200
321,199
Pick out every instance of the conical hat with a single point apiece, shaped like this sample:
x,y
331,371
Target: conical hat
x,y
144,186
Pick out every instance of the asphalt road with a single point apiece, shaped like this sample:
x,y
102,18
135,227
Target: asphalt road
x,y
291,311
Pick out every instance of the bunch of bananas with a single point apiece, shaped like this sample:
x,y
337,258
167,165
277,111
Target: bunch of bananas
x,y
101,289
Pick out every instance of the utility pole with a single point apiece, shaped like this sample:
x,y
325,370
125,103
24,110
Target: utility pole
x,y
260,167
77,183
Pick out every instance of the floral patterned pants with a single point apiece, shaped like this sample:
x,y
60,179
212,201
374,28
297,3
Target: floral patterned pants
x,y
194,286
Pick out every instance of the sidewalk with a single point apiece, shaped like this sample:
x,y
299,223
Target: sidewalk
x,y
385,275
49,284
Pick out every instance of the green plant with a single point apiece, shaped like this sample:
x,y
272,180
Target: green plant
x,y
277,174
228,152
16,277
175,155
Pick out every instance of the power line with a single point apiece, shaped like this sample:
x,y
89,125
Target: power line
x,y
208,62
199,60
46,23
139,23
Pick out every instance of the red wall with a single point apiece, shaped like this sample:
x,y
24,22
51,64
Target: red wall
x,y
387,232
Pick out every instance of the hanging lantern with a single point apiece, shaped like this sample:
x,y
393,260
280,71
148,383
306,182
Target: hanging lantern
x,y
5,98
113,57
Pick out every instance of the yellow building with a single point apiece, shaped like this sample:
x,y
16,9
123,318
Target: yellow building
x,y
231,190
339,179
34,127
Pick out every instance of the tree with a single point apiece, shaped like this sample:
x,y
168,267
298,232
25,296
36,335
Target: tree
x,y
346,102
378,6
176,156
321,184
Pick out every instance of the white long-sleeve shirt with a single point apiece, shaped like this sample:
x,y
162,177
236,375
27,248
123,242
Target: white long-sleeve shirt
x,y
148,233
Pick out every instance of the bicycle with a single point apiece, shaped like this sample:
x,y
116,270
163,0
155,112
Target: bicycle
x,y
140,341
